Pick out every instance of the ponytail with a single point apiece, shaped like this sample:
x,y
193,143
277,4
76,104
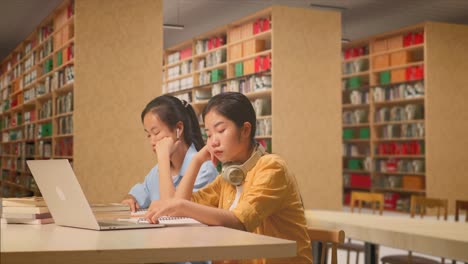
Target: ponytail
x,y
193,132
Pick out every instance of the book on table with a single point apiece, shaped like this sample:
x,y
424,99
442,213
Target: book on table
x,y
28,210
24,202
27,221
26,216
24,210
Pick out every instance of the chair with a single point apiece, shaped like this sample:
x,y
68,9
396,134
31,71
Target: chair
x,y
371,198
425,203
422,203
461,205
361,197
328,238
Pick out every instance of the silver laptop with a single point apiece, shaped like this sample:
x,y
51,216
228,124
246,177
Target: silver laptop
x,y
66,200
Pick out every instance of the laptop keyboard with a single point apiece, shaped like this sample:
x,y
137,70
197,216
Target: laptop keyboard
x,y
116,223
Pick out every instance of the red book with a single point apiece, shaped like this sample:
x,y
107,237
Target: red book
x,y
257,27
418,38
210,44
265,24
266,65
358,180
407,39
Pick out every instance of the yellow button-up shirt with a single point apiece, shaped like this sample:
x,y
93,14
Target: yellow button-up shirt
x,y
269,205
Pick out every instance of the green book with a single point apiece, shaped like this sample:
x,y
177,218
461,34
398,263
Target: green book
x,y
385,77
46,130
354,82
59,58
239,69
364,133
354,164
348,133
217,75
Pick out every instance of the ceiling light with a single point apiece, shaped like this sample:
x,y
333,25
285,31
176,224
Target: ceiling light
x,y
328,7
173,26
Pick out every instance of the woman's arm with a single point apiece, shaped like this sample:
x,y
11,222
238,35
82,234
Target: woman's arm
x,y
163,151
204,214
185,188
142,191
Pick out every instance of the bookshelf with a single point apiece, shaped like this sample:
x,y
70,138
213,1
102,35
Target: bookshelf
x,y
267,57
36,86
400,117
117,63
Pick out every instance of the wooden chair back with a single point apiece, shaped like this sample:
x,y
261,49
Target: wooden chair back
x,y
461,205
328,237
369,197
424,202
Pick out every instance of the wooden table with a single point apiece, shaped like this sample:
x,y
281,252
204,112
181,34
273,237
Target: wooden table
x,y
56,244
432,237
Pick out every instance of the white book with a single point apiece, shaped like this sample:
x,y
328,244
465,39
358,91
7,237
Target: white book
x,y
27,221
26,216
166,220
178,221
24,210
26,202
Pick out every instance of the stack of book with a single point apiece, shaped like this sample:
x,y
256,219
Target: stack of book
x,y
29,210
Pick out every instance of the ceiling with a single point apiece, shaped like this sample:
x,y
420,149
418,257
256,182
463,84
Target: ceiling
x,y
361,18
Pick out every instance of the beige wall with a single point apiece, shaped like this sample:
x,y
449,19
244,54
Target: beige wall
x,y
118,58
447,112
306,101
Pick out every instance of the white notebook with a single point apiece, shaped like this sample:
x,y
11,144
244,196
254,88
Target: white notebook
x,y
165,220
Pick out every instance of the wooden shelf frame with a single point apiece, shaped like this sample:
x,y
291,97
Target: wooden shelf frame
x,y
439,72
282,44
35,103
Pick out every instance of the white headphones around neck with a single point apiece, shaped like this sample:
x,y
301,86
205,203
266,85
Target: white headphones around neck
x,y
235,173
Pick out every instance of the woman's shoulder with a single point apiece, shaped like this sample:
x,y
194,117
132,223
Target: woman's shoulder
x,y
274,163
272,160
271,163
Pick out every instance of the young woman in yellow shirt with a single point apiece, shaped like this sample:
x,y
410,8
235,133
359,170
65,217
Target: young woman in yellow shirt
x,y
255,191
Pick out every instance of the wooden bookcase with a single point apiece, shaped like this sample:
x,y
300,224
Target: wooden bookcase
x,y
118,62
401,120
288,68
36,86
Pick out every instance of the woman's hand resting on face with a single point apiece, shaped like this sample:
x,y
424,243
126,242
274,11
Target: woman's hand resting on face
x,y
166,146
205,154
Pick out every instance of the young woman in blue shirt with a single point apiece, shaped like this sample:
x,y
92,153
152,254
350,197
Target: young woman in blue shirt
x,y
173,131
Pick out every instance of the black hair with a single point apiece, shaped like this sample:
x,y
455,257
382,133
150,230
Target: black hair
x,y
172,110
235,107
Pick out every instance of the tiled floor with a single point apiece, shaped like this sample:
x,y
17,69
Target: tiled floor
x,y
384,251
